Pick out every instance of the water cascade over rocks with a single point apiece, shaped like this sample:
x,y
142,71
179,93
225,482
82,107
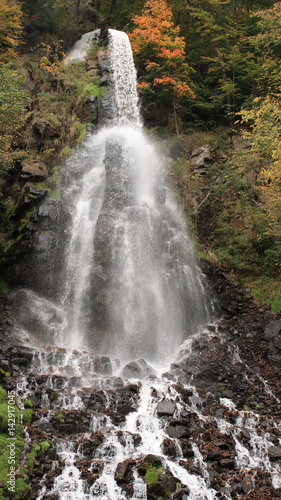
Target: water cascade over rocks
x,y
114,353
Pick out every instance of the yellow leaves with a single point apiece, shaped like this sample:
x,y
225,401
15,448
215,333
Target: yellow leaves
x,y
11,27
51,62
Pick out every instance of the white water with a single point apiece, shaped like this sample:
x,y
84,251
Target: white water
x,y
129,284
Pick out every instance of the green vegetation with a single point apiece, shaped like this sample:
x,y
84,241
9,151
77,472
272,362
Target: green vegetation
x,y
37,447
60,418
152,474
27,416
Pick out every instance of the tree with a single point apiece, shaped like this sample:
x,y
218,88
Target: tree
x,y
159,51
10,28
12,110
265,123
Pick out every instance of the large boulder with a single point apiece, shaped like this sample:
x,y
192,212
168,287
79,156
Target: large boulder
x,y
33,170
201,158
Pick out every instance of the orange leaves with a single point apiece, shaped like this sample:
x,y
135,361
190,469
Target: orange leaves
x,y
143,85
165,80
159,50
179,88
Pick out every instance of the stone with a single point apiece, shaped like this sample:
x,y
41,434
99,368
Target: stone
x,y
45,129
272,334
274,453
48,209
102,365
238,142
160,195
273,329
176,431
165,407
201,158
121,471
33,170
137,369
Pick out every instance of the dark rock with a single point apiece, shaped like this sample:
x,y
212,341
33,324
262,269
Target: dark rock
x,y
169,448
102,365
137,369
160,195
227,463
165,407
34,170
272,334
177,430
48,209
89,446
274,453
45,129
121,471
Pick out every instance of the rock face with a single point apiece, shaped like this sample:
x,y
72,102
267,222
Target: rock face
x,y
201,158
273,335
34,171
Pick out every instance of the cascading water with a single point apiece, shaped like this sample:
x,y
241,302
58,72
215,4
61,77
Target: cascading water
x,y
130,292
124,234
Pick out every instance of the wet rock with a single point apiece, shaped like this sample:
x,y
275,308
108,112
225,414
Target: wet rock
x,y
169,447
51,496
165,407
30,196
102,365
137,369
45,426
89,446
160,195
274,453
48,209
176,429
121,470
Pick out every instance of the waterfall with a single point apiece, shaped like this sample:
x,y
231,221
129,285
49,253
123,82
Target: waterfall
x,y
116,348
128,258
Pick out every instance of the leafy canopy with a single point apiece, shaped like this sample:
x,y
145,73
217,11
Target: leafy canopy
x,y
160,50
10,27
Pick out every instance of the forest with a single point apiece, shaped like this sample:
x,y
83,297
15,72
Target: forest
x,y
208,74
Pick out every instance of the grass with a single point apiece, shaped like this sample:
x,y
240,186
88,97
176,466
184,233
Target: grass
x,y
267,291
152,474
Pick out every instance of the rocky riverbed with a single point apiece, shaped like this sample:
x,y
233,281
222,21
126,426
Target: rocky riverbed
x,y
209,427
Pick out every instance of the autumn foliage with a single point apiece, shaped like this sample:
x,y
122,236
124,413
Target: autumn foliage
x,y
159,51
10,27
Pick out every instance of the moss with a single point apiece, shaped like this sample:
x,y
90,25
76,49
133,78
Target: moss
x,y
21,488
27,416
60,418
152,474
29,404
45,445
42,446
